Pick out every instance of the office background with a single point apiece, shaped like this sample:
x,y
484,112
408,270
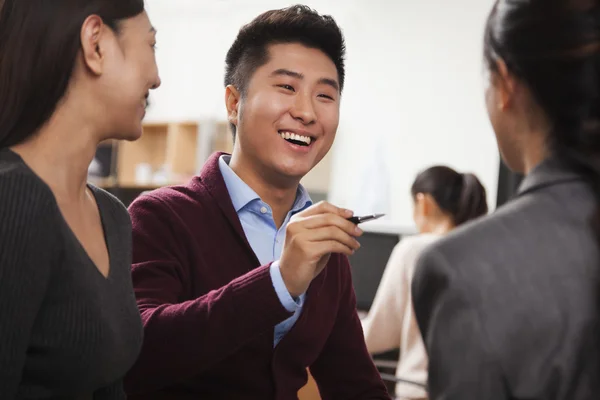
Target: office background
x,y
413,97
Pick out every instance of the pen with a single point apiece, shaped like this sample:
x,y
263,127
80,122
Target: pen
x,y
365,218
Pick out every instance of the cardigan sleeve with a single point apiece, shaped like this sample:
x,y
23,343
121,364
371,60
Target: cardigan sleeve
x,y
182,339
344,369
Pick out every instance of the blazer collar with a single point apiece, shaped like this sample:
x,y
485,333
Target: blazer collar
x,y
548,173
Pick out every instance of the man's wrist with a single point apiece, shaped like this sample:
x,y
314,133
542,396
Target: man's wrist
x,y
292,290
290,299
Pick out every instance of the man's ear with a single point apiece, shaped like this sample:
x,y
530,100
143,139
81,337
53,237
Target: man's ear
x,y
232,102
92,32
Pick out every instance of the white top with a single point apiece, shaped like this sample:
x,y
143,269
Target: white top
x,y
391,324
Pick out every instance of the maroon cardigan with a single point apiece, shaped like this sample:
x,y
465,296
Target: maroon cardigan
x,y
209,309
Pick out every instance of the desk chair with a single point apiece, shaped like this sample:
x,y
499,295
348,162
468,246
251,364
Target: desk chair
x,y
389,378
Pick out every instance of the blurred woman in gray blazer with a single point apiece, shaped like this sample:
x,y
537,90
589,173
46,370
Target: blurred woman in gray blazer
x,y
508,306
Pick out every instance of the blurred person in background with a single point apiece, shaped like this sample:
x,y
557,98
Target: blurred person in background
x,y
443,199
72,74
509,305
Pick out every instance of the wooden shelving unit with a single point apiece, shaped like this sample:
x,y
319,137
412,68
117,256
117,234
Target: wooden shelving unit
x,y
170,148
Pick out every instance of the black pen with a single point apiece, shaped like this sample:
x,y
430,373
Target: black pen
x,y
359,220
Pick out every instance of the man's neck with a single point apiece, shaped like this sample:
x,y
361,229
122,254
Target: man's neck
x,y
280,198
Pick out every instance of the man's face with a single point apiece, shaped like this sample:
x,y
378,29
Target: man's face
x,y
287,121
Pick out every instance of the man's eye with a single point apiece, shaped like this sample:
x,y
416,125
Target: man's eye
x,y
286,87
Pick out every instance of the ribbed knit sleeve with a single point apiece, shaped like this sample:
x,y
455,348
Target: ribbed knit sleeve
x,y
26,258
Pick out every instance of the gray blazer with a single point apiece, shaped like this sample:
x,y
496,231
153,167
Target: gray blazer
x,y
508,304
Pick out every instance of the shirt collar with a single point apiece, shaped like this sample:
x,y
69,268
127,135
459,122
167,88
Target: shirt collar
x,y
303,200
241,194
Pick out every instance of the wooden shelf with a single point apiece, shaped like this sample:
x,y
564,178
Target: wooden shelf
x,y
102,182
171,147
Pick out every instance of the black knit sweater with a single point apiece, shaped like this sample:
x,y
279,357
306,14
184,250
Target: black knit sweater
x,y
66,331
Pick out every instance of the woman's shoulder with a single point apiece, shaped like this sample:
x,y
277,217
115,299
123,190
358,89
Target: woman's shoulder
x,y
524,238
28,212
408,250
514,226
414,244
20,187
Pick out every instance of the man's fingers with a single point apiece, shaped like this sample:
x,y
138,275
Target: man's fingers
x,y
332,246
324,207
330,233
325,220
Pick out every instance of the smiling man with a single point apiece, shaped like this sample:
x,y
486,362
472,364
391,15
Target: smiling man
x,y
241,281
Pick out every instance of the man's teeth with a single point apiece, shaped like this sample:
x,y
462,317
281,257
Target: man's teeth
x,y
293,136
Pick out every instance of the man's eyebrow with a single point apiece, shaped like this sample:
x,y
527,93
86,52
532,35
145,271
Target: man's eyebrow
x,y
152,29
324,81
287,72
331,82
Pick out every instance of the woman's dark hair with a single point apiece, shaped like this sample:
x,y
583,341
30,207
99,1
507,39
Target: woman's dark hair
x,y
553,47
462,196
39,43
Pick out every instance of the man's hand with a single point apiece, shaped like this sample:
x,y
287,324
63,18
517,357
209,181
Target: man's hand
x,y
311,236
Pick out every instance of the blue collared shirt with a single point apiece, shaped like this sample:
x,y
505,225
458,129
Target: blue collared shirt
x,y
264,237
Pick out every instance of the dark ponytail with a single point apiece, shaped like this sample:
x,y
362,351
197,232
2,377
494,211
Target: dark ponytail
x,y
462,196
553,47
473,202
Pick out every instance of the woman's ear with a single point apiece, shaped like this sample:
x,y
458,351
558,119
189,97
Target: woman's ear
x,y
505,84
91,36
430,206
420,205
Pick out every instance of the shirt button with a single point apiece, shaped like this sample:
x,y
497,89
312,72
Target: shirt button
x,y
263,210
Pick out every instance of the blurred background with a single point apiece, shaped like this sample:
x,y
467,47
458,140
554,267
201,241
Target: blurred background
x,y
413,98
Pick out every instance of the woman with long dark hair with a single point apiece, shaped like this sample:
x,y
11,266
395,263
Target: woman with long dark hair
x,y
72,74
509,306
443,199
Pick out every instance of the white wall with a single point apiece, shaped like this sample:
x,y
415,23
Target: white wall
x,y
413,96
